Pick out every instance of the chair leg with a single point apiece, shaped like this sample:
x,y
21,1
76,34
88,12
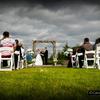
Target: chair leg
x,y
11,64
98,63
0,63
22,63
0,60
18,63
85,63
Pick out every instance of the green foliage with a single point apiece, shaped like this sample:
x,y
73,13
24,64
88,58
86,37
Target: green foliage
x,y
50,62
65,47
61,57
75,47
49,84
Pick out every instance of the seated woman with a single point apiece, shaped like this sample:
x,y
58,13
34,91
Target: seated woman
x,y
97,41
6,41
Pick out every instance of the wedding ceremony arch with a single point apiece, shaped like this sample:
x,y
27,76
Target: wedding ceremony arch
x,y
35,42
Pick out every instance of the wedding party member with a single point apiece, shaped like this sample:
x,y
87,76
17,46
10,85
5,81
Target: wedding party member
x,y
46,56
6,41
38,60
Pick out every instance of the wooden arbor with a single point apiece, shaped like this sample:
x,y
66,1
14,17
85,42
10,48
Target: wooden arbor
x,y
45,41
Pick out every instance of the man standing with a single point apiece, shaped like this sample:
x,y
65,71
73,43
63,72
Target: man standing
x,y
46,56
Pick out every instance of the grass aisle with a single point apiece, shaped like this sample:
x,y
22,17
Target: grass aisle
x,y
49,84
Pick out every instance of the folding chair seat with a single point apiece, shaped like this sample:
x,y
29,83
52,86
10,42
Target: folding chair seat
x,y
23,60
6,53
89,59
97,55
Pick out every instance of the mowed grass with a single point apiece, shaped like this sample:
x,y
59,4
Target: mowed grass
x,y
49,84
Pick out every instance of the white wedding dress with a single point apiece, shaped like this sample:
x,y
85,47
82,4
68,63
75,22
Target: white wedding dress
x,y
38,60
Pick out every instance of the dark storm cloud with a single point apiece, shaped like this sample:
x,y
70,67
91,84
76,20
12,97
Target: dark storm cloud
x,y
51,2
63,20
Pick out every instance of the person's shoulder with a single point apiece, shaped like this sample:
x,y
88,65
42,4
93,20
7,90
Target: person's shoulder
x,y
3,40
82,46
90,44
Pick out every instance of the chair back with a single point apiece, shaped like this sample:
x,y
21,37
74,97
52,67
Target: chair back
x,y
98,55
89,59
6,51
90,54
73,60
98,50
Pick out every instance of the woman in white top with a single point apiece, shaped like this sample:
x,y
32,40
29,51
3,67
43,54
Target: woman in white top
x,y
6,41
38,60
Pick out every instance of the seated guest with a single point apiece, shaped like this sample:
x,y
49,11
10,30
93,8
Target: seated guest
x,y
85,46
6,41
97,41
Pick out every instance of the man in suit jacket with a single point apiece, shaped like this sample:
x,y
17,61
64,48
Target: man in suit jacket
x,y
46,56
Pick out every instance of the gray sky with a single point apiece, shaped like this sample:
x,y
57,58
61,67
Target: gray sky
x,y
61,20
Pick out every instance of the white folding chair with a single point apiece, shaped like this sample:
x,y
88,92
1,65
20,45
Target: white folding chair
x,y
73,61
77,58
18,62
89,59
21,62
6,53
97,55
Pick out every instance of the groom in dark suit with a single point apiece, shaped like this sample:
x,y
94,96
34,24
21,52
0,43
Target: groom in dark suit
x,y
46,56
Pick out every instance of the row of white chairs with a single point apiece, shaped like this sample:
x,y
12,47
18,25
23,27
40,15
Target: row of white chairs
x,y
9,52
94,58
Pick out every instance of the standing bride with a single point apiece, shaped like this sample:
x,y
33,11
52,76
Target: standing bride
x,y
38,60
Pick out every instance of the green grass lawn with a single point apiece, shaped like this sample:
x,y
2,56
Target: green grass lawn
x,y
49,84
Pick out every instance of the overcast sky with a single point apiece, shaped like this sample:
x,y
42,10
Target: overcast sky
x,y
61,20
